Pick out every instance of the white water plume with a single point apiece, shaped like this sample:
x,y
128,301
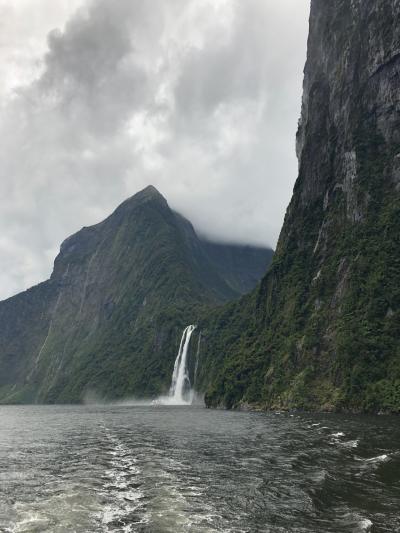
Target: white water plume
x,y
180,392
196,367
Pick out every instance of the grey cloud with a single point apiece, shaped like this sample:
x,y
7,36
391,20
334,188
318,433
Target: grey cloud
x,y
198,97
93,71
231,71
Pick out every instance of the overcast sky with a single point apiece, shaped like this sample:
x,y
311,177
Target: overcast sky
x,y
100,98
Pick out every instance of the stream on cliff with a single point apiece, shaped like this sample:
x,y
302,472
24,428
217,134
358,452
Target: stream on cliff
x,y
188,469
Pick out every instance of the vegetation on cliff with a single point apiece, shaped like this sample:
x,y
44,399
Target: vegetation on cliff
x,y
323,328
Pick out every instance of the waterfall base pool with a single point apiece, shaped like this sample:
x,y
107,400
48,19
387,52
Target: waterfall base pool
x,y
187,469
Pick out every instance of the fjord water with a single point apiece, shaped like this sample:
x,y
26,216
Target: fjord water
x,y
189,469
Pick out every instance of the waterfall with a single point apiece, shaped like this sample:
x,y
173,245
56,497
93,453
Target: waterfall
x,y
196,366
180,391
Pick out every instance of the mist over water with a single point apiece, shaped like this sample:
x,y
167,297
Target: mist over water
x,y
186,469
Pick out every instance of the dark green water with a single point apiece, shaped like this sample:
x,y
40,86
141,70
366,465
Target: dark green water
x,y
160,469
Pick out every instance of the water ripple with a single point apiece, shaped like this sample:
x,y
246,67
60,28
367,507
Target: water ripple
x,y
160,470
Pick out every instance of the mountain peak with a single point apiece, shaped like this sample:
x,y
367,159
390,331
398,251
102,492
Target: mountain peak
x,y
148,193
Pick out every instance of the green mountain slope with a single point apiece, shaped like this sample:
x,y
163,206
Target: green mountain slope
x,y
110,318
323,328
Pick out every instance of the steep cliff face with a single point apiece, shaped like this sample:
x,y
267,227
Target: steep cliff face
x,y
110,318
323,330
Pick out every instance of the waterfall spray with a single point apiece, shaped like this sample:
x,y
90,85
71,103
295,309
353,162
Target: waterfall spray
x,y
180,385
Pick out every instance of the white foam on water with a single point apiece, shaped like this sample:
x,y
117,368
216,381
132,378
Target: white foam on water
x,y
379,459
365,525
350,443
123,499
320,477
31,522
65,511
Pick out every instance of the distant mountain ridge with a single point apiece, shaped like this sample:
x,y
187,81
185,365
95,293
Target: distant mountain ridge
x,y
109,318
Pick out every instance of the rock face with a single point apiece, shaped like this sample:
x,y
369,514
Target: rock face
x,y
323,330
109,319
